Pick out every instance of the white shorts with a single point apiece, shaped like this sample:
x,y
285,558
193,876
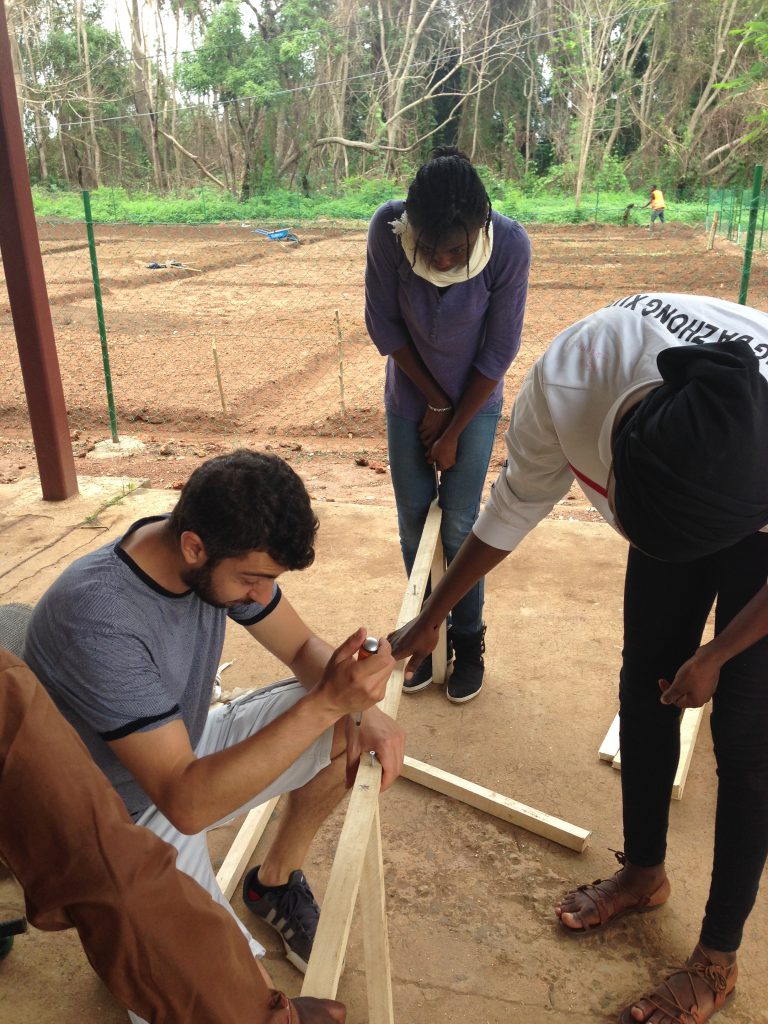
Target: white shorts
x,y
227,725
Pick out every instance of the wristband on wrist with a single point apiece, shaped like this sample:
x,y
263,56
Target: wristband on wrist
x,y
434,408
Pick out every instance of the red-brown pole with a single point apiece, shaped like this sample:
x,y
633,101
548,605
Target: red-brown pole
x,y
20,248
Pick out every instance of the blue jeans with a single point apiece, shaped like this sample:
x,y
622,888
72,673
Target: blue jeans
x,y
461,489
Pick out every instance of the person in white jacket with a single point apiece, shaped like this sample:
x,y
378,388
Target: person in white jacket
x,y
658,406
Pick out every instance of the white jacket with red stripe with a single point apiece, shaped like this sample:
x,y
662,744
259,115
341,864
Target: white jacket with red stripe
x,y
562,419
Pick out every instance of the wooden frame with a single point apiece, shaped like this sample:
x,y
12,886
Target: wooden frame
x,y
689,730
358,864
503,807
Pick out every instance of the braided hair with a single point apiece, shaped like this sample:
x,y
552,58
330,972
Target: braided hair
x,y
447,194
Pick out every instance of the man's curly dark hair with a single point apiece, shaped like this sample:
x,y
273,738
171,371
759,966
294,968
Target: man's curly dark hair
x,y
248,501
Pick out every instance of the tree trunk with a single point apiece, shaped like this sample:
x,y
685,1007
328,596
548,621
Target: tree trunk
x,y
93,154
142,95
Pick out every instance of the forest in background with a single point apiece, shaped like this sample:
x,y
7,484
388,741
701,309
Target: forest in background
x,y
318,95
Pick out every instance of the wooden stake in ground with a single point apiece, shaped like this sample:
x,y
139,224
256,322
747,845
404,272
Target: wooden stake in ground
x,y
341,363
218,378
713,230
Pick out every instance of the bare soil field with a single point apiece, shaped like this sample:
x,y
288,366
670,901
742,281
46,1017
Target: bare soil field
x,y
469,898
271,310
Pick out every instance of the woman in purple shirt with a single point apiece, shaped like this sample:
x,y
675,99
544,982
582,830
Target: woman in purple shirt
x,y
445,287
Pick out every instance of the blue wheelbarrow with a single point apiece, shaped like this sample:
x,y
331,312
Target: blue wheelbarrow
x,y
280,235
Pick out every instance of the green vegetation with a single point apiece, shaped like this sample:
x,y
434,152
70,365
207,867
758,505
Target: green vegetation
x,y
356,199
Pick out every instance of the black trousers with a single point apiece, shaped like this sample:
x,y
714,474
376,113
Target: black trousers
x,y
665,610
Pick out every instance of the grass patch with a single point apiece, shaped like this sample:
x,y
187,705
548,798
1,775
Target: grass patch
x,y
356,199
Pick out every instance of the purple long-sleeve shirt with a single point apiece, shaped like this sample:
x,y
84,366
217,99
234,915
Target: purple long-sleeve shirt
x,y
473,325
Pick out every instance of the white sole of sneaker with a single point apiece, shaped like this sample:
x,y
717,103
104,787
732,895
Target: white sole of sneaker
x,y
294,958
421,686
462,700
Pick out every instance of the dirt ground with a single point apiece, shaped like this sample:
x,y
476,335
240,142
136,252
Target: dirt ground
x,y
469,897
271,310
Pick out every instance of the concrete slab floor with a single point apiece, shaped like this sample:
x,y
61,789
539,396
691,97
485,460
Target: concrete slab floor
x,y
470,898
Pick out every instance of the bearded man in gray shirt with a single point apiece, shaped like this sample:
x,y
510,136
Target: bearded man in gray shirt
x,y
127,642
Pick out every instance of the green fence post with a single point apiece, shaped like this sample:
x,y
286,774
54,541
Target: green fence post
x,y
597,203
753,207
100,314
762,222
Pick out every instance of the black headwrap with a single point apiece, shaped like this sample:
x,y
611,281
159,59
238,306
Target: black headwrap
x,y
691,460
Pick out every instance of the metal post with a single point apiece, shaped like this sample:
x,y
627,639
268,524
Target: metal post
x,y
762,222
750,243
100,315
30,309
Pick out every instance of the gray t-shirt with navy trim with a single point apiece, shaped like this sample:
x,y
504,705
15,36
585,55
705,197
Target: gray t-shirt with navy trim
x,y
120,654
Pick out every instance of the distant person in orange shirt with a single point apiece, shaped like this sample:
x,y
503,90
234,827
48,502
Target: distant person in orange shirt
x,y
657,205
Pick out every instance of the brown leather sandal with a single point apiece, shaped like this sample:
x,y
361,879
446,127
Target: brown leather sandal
x,y
704,980
603,893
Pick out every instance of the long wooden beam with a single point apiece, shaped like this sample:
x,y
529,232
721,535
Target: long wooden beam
x,y
609,748
689,730
28,296
327,959
504,807
241,850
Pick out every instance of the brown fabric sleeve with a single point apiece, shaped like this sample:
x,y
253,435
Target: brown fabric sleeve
x,y
157,940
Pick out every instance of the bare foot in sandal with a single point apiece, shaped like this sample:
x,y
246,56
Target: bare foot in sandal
x,y
632,890
691,993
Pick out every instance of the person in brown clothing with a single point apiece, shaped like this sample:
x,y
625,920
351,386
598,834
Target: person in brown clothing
x,y
162,947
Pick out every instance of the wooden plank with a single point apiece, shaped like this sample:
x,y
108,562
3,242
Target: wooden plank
x,y
375,938
689,730
414,595
439,655
609,748
241,850
503,807
327,959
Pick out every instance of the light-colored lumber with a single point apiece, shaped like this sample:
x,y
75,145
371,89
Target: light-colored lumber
x,y
414,595
609,748
327,959
713,230
439,655
689,730
241,850
503,807
375,938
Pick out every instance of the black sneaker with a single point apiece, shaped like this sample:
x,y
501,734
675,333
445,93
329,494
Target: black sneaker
x,y
466,680
290,909
422,677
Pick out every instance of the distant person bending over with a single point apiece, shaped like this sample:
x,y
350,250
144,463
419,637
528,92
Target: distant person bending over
x,y
445,287
657,205
658,405
82,863
128,639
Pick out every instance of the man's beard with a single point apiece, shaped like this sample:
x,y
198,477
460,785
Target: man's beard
x,y
200,583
